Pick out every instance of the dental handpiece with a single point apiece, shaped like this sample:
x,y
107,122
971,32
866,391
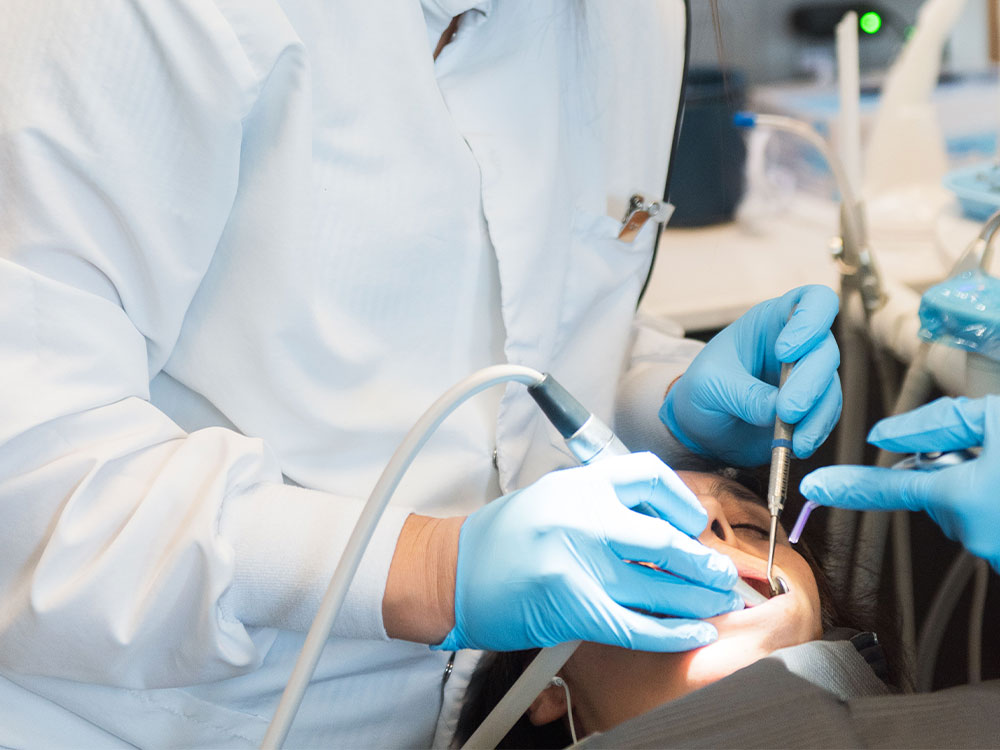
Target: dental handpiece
x,y
777,484
590,440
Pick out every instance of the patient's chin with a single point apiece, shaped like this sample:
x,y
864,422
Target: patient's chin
x,y
720,659
739,645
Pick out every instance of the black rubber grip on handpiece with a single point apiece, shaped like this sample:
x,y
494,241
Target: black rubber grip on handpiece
x,y
566,413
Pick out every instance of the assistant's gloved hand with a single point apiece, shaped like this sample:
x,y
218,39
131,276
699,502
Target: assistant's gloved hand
x,y
548,564
964,500
726,402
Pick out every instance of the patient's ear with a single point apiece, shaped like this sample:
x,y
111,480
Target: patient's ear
x,y
548,706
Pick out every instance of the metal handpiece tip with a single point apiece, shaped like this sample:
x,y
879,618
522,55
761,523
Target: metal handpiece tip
x,y
778,585
771,581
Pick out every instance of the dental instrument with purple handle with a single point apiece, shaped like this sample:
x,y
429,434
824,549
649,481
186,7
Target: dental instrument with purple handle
x,y
916,461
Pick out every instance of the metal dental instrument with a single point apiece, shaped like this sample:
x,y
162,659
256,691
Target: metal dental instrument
x,y
777,484
927,461
935,460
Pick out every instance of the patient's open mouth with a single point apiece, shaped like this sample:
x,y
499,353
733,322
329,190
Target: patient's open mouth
x,y
761,586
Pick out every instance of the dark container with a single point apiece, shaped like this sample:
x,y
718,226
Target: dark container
x,y
708,172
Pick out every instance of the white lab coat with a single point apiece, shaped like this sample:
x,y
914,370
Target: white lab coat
x,y
243,244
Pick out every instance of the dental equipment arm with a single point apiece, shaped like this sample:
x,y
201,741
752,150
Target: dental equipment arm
x,y
979,253
853,254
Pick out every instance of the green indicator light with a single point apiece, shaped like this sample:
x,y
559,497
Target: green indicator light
x,y
870,22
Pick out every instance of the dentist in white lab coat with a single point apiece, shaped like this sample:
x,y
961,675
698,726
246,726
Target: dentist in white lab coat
x,y
243,245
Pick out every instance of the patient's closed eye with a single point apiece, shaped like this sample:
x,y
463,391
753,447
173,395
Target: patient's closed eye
x,y
765,533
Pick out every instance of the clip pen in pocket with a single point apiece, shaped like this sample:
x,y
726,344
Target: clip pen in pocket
x,y
639,212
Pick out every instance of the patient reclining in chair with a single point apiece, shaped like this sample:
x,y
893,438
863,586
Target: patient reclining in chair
x,y
602,686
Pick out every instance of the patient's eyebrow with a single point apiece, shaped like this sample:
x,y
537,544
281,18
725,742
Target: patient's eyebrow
x,y
723,486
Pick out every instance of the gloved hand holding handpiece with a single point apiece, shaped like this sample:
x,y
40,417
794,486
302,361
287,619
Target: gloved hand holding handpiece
x,y
726,402
556,561
963,500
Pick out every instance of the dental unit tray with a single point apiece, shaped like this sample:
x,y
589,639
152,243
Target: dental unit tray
x,y
963,311
977,189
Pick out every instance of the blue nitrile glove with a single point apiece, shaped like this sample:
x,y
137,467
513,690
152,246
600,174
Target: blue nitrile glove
x,y
549,563
725,404
963,500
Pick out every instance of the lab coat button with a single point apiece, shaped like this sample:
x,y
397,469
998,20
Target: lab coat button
x,y
496,464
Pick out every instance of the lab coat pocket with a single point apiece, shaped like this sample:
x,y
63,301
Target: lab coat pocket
x,y
603,267
602,289
597,235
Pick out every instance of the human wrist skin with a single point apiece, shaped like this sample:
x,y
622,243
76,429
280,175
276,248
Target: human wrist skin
x,y
672,384
419,600
670,421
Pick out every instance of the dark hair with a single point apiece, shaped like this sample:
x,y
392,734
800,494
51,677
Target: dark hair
x,y
493,677
497,671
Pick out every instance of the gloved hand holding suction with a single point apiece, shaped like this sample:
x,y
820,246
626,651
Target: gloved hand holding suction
x,y
726,403
961,499
555,562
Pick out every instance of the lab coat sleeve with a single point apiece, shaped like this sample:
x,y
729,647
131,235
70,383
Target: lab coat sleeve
x,y
120,154
659,353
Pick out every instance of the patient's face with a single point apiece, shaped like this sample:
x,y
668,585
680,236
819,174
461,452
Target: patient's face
x,y
738,526
609,684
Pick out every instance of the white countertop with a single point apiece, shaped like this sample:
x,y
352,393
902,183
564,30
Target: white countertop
x,y
707,277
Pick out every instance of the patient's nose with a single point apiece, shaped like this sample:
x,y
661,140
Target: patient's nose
x,y
718,525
